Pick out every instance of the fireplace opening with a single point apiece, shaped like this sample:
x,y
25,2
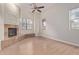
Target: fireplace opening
x,y
12,32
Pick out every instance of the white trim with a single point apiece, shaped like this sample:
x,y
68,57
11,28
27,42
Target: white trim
x,y
67,42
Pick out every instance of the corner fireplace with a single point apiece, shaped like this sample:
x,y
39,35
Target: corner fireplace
x,y
12,32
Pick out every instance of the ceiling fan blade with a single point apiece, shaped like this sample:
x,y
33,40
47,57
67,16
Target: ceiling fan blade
x,y
33,11
40,7
39,10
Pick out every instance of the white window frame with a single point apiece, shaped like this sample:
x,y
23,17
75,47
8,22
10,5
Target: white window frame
x,y
26,24
74,18
44,24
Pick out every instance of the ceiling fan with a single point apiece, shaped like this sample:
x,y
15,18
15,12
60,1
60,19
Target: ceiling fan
x,y
35,8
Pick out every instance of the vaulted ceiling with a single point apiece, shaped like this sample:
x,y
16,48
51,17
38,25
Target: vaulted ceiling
x,y
29,6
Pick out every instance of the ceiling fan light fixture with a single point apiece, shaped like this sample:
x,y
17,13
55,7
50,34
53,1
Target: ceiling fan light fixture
x,y
37,8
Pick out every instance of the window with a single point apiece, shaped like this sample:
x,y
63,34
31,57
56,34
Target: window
x,y
26,24
74,18
44,24
29,24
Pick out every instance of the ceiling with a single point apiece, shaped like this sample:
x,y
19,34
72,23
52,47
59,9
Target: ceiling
x,y
29,6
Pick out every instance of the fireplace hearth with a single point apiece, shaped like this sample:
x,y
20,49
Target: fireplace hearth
x,y
12,32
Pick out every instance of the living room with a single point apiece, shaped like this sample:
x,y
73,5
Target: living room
x,y
39,28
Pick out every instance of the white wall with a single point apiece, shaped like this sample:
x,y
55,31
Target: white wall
x,y
11,14
1,24
57,17
37,17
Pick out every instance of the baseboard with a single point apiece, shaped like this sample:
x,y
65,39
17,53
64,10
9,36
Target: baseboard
x,y
63,41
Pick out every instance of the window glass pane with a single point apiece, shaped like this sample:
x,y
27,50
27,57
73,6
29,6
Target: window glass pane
x,y
26,24
29,24
74,18
44,24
